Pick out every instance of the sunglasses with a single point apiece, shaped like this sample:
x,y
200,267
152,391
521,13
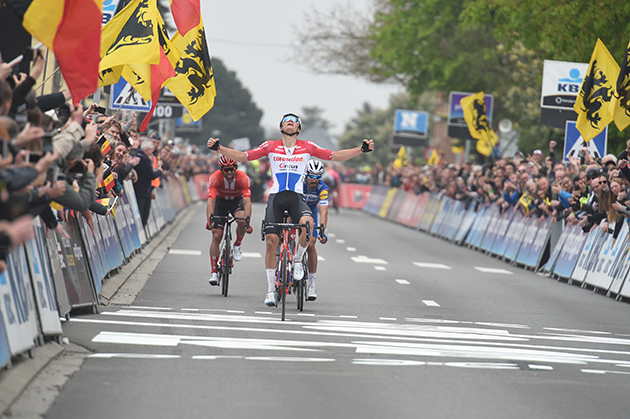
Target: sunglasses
x,y
228,169
290,118
308,175
603,182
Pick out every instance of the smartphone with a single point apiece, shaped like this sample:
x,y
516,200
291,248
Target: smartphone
x,y
99,109
47,142
5,148
133,152
52,175
33,156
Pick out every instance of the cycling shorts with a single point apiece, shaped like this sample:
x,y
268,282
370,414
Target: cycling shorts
x,y
278,203
223,207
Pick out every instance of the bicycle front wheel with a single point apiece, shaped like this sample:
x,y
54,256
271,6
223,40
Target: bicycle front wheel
x,y
284,280
226,261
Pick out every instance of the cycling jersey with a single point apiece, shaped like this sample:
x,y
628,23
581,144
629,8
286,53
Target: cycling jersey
x,y
288,165
317,195
220,187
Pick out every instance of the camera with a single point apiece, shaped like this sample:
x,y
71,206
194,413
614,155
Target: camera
x,y
33,156
99,109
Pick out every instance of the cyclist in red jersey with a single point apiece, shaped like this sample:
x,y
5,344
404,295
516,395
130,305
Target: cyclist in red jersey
x,y
228,192
288,158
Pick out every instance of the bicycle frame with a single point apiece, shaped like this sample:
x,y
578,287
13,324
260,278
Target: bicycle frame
x,y
284,277
226,258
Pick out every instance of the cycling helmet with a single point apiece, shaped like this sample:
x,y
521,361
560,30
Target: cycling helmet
x,y
226,161
315,167
299,121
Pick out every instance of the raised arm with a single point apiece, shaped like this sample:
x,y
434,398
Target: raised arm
x,y
343,155
239,156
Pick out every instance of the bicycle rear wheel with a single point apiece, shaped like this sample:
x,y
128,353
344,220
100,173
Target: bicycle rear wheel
x,y
301,285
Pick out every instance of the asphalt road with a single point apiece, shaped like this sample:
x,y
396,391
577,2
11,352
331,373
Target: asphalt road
x,y
405,326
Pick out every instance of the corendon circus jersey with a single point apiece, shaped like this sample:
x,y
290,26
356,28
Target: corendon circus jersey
x,y
220,187
288,165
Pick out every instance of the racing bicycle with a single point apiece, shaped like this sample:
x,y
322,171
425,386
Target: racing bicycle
x,y
284,271
226,256
301,287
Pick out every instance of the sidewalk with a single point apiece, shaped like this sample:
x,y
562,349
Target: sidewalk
x,y
14,381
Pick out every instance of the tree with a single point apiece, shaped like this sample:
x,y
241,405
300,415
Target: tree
x,y
311,116
234,114
376,124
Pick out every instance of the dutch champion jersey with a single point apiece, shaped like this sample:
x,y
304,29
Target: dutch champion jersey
x,y
219,187
318,195
288,165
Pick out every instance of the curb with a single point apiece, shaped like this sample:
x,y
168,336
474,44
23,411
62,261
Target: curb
x,y
25,369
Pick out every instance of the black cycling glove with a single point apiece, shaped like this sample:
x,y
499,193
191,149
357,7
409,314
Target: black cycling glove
x,y
215,146
365,147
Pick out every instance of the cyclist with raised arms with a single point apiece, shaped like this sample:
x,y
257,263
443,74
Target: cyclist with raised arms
x,y
316,197
228,193
288,158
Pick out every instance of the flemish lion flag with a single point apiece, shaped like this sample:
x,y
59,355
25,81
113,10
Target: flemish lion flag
x,y
474,107
434,158
186,14
597,90
193,83
72,30
620,104
401,158
130,37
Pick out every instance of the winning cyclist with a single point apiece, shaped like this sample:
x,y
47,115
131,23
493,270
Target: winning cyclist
x,y
288,158
316,197
228,192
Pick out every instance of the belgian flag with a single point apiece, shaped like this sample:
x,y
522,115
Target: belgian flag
x,y
72,30
108,180
103,142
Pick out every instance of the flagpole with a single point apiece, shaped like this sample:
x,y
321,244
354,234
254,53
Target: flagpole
x,y
125,101
48,78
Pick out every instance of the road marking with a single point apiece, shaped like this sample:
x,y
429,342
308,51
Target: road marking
x,y
252,255
493,270
149,308
380,268
345,316
351,249
184,252
576,331
431,265
213,357
540,367
430,303
392,319
134,356
365,259
402,281
287,359
320,258
340,241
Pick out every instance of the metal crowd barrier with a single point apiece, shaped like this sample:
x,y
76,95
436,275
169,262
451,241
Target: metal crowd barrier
x,y
590,259
50,275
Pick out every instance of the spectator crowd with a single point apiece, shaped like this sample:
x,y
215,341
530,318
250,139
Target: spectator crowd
x,y
58,158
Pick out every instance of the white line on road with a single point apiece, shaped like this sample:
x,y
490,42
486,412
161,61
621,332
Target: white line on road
x,y
320,258
340,241
430,303
365,259
493,270
252,255
185,252
351,249
136,356
431,265
380,268
148,308
393,319
402,281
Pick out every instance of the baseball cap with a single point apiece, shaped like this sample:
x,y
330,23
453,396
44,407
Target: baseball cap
x,y
537,152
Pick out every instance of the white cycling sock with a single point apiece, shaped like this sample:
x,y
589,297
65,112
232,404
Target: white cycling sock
x,y
271,280
311,279
299,253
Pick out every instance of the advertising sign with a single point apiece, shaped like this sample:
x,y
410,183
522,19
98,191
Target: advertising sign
x,y
560,87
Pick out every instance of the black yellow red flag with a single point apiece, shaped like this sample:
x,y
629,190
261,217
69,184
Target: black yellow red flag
x,y
596,93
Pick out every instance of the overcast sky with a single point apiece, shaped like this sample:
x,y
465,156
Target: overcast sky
x,y
252,38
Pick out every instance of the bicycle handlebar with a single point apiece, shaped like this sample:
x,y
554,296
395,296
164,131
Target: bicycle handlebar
x,y
286,226
229,219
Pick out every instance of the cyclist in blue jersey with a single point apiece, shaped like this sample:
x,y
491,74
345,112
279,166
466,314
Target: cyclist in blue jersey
x,y
316,197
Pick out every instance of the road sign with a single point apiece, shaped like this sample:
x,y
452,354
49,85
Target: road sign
x,y
120,91
573,142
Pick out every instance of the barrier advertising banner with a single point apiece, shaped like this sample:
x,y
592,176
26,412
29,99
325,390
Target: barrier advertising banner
x,y
591,248
5,353
42,284
605,263
17,303
570,253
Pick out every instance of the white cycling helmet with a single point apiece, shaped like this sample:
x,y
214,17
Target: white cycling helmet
x,y
315,167
299,121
